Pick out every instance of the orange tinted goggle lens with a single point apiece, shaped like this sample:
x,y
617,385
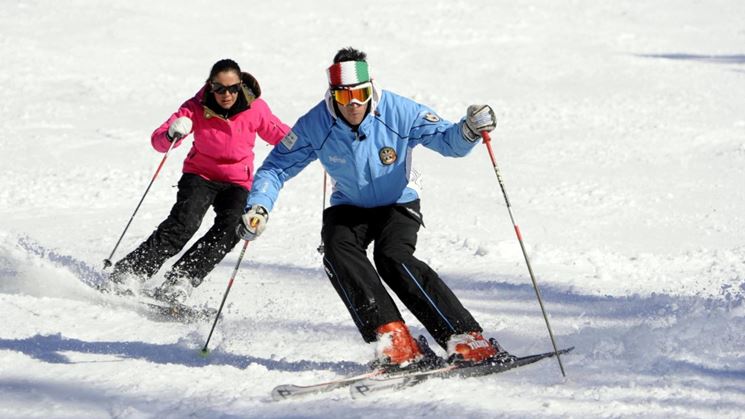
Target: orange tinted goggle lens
x,y
346,96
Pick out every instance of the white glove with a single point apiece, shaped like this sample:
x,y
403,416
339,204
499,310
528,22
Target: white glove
x,y
478,118
179,128
253,223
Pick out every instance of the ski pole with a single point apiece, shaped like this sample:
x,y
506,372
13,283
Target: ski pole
x,y
107,261
320,248
487,141
225,296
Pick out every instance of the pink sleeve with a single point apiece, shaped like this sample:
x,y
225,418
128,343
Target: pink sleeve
x,y
272,129
159,140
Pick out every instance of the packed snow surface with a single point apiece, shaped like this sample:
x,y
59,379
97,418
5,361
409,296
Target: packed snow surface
x,y
621,142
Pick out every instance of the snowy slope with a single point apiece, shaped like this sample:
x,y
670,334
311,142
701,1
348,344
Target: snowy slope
x,y
621,142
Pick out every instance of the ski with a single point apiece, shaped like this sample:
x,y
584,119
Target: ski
x,y
365,386
99,281
165,310
179,312
289,391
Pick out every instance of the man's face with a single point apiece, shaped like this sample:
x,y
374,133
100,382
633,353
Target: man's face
x,y
353,101
354,113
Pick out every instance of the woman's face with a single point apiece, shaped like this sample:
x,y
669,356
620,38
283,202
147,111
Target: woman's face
x,y
225,87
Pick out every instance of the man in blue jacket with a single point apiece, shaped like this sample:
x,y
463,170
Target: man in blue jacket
x,y
364,138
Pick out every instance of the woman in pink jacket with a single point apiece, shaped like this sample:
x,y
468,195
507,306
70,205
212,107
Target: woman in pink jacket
x,y
224,116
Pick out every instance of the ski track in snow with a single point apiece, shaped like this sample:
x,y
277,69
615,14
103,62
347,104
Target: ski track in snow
x,y
620,141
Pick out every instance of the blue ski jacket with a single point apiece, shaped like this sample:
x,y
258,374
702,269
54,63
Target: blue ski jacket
x,y
370,167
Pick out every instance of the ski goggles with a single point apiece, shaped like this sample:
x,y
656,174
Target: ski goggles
x,y
221,89
360,94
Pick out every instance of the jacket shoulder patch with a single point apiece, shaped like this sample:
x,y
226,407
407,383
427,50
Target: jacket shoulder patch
x,y
289,140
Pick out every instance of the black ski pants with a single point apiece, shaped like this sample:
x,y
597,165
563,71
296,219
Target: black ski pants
x,y
347,232
195,196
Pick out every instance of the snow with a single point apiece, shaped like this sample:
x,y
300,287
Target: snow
x,y
621,141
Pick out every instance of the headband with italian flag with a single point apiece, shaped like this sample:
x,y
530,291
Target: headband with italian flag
x,y
348,73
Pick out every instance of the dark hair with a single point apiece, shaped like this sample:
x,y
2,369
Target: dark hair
x,y
225,64
350,54
251,82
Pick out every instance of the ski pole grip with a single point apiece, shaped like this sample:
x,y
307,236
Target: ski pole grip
x,y
485,136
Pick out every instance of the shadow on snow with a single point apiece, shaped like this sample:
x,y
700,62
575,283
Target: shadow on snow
x,y
715,59
49,348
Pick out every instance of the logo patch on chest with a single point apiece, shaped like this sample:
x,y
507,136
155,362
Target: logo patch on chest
x,y
387,155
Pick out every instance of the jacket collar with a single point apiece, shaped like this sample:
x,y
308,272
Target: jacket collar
x,y
212,109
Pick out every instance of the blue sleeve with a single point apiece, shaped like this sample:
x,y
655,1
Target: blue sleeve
x,y
286,160
438,134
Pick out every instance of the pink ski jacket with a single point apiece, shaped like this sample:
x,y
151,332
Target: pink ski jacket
x,y
223,148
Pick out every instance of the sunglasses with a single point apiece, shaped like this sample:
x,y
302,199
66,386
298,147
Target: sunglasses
x,y
358,94
220,89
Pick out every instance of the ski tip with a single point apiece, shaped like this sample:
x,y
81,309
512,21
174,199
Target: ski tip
x,y
283,392
566,350
558,352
